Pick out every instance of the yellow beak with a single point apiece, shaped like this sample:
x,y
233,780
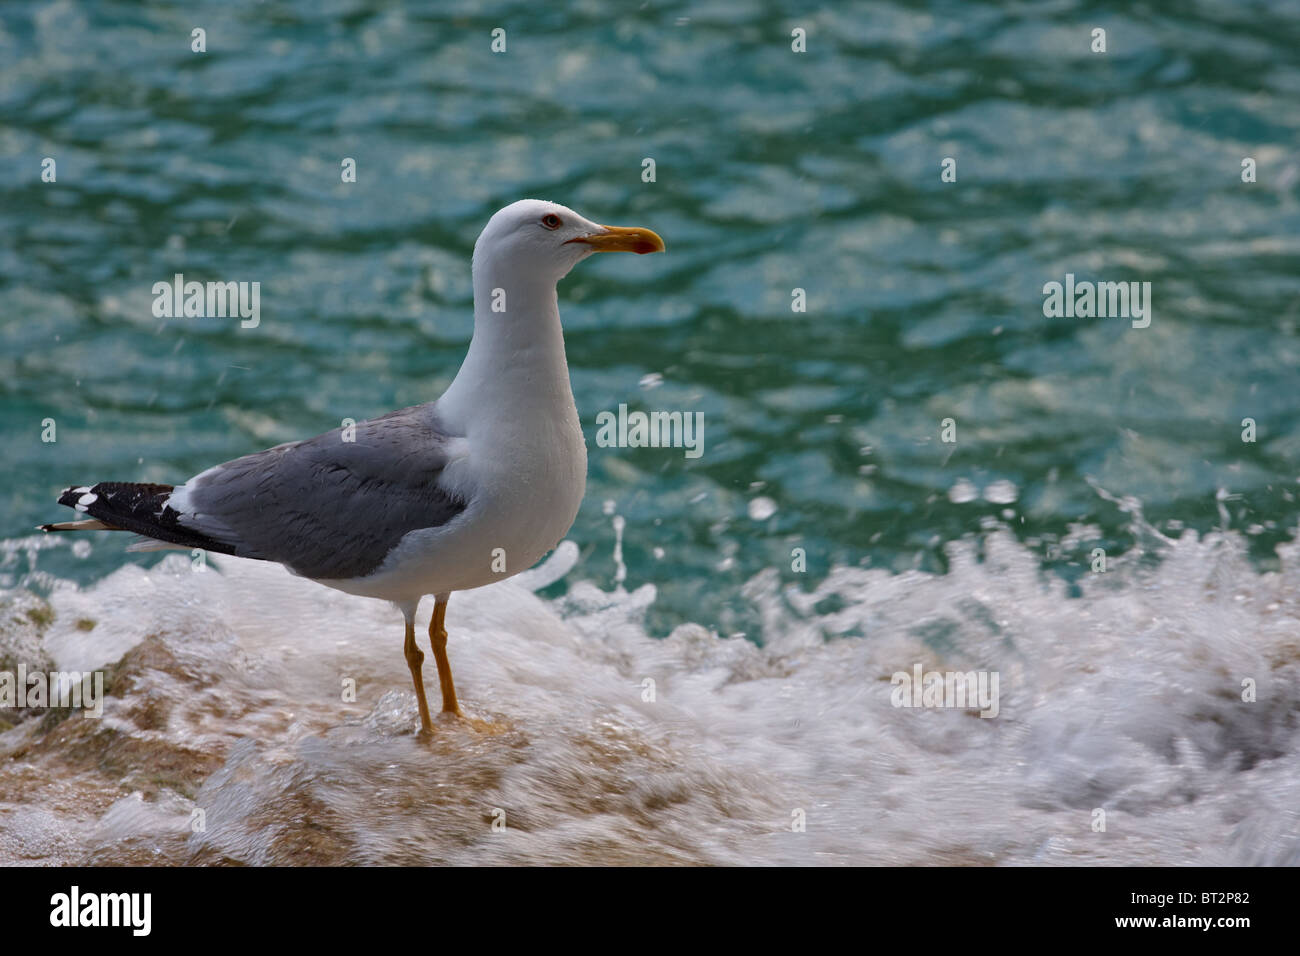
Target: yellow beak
x,y
622,239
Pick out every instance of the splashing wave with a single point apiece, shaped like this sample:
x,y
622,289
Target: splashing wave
x,y
595,743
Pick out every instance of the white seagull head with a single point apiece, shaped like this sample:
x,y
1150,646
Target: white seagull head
x,y
548,239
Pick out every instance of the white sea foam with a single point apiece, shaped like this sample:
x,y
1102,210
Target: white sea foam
x,y
225,698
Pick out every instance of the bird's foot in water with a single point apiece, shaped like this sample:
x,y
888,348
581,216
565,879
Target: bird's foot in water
x,y
459,719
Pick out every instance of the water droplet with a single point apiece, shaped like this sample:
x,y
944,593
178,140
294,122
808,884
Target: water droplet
x,y
962,492
1001,493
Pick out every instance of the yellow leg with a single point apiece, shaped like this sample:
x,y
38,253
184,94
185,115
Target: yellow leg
x,y
414,660
438,638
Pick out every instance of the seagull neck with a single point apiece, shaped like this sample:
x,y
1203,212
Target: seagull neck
x,y
516,357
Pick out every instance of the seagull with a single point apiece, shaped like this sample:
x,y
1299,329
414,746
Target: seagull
x,y
441,497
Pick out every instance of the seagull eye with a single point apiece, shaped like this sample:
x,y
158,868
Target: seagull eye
x,y
551,221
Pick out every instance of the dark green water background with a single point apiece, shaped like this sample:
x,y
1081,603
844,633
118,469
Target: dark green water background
x,y
775,170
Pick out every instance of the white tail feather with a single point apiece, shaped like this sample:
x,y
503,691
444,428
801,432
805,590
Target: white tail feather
x,y
141,543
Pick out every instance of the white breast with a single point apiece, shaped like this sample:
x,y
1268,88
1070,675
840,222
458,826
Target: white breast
x,y
523,482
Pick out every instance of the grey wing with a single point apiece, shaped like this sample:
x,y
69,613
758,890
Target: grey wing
x,y
326,507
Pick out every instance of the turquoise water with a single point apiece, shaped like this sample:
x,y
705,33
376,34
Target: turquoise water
x,y
823,429
774,170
